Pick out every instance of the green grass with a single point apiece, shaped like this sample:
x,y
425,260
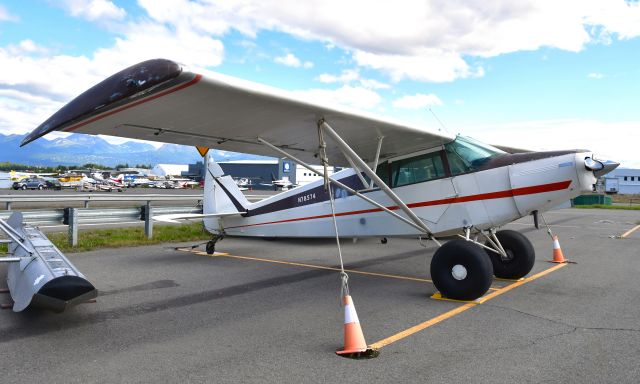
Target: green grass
x,y
130,237
127,237
602,206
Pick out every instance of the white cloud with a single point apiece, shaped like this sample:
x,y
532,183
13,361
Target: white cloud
x,y
374,84
26,47
420,40
595,75
290,60
22,111
94,10
5,15
417,101
356,97
348,76
62,76
434,66
29,69
621,18
605,139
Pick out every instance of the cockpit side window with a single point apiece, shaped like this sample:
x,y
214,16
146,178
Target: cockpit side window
x,y
417,169
466,155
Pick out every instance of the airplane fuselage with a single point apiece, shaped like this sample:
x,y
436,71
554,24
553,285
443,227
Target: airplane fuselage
x,y
504,190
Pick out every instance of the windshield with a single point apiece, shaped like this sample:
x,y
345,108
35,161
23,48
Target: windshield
x,y
466,154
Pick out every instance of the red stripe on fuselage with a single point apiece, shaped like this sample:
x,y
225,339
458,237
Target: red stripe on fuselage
x,y
551,187
124,107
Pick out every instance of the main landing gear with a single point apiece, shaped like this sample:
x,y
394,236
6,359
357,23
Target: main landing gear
x,y
519,258
462,269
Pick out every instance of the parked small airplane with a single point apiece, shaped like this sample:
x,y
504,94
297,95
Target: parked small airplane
x,y
282,184
403,181
17,176
243,183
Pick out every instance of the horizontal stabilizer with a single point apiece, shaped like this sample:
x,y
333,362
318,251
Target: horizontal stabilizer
x,y
173,218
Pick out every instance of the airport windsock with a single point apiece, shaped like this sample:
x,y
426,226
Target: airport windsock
x,y
354,344
558,257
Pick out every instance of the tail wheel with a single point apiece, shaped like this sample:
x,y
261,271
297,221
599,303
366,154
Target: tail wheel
x,y
461,270
211,247
520,255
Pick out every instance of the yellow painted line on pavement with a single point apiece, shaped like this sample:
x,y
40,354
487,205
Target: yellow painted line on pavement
x,y
460,309
630,231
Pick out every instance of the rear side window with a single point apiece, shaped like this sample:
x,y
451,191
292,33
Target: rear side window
x,y
417,169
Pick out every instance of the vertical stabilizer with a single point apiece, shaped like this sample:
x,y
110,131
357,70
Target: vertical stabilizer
x,y
221,195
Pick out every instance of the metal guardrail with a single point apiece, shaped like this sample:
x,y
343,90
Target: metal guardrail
x,y
86,198
74,217
95,216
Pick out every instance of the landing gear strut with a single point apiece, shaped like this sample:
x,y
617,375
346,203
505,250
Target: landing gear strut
x,y
461,270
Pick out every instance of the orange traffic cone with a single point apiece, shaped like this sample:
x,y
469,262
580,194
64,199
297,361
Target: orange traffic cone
x,y
354,344
558,257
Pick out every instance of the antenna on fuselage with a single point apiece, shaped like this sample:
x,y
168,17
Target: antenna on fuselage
x,y
440,122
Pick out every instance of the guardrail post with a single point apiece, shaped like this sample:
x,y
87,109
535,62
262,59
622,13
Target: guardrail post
x,y
73,226
8,205
148,220
86,203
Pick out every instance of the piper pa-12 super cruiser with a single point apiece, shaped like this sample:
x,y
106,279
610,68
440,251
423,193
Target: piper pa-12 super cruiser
x,y
403,180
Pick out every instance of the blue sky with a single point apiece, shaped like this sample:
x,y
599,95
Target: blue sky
x,y
540,74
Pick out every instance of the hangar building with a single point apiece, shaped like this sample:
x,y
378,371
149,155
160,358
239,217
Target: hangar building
x,y
261,172
625,181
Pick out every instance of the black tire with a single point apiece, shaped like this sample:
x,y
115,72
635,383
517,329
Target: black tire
x,y
211,248
40,187
520,252
24,187
479,272
384,240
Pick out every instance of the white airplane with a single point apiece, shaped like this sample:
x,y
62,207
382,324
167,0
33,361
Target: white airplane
x,y
283,183
403,181
243,183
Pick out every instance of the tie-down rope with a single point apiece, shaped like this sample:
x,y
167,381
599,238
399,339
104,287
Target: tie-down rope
x,y
344,287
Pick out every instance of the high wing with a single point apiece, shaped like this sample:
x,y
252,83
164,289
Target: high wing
x,y
158,100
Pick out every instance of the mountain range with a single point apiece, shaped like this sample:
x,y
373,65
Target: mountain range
x,y
78,149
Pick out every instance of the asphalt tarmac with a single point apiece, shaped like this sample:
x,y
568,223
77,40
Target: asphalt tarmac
x,y
164,315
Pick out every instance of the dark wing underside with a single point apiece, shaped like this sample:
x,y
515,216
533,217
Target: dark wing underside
x,y
157,100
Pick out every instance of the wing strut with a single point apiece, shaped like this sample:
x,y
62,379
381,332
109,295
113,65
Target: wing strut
x,y
351,154
377,158
353,157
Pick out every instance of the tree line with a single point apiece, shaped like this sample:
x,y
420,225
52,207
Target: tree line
x,y
7,166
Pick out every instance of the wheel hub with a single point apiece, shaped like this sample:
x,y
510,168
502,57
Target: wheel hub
x,y
459,272
509,257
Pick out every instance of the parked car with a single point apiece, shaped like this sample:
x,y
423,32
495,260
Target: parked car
x,y
30,183
53,183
